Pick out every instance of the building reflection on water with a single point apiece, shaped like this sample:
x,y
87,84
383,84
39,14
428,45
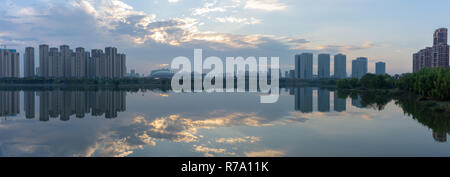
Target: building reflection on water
x,y
304,100
64,104
9,103
304,103
29,102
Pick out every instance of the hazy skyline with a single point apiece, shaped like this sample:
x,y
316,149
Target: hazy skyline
x,y
153,32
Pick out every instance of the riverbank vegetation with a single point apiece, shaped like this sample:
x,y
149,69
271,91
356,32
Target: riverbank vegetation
x,y
430,83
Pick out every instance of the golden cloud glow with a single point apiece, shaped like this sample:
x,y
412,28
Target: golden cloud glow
x,y
265,153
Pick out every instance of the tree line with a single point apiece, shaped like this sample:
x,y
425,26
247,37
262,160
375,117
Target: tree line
x,y
428,82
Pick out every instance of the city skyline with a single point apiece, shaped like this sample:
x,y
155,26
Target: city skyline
x,y
153,36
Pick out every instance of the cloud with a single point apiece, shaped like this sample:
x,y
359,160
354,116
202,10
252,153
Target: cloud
x,y
209,152
265,5
265,153
173,1
146,39
208,7
231,19
247,139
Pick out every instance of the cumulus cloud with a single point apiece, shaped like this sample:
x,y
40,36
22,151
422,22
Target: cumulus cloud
x,y
208,7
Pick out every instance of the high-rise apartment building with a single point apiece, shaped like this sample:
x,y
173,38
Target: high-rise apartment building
x,y
359,67
324,66
28,62
436,56
9,63
43,60
380,68
340,66
304,66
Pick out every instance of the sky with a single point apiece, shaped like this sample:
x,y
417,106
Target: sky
x,y
153,32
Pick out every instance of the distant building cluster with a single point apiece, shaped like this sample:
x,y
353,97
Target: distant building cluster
x,y
133,74
436,56
304,67
64,63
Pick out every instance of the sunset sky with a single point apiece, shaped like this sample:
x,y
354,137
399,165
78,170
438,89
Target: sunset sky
x,y
153,32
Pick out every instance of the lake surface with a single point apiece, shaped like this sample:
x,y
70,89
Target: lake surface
x,y
304,122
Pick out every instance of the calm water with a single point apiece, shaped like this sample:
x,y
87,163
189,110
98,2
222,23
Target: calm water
x,y
304,122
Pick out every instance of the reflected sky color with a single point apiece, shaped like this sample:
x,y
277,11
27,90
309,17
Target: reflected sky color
x,y
305,122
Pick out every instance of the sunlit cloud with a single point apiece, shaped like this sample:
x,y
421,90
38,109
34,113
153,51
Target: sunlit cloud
x,y
208,7
247,139
209,152
265,153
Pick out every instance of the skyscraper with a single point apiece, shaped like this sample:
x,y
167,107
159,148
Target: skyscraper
x,y
56,63
304,66
436,56
324,66
111,61
440,49
122,67
28,61
80,63
340,66
416,60
380,68
43,60
359,67
65,56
